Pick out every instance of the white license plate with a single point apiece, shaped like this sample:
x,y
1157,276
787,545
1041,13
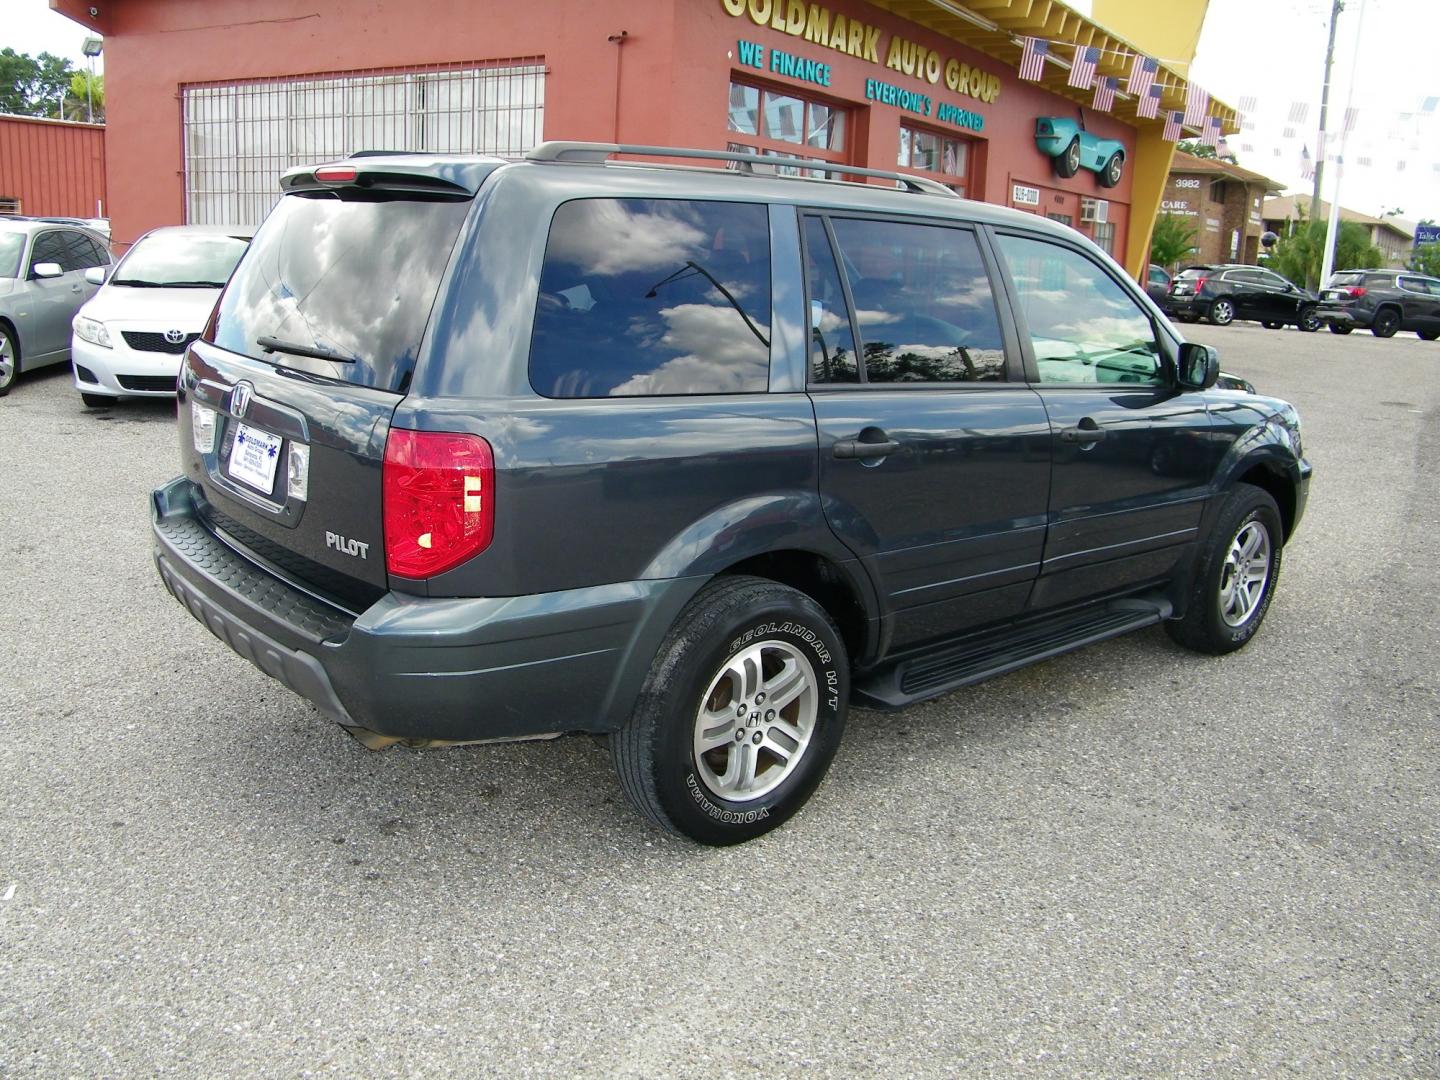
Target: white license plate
x,y
253,457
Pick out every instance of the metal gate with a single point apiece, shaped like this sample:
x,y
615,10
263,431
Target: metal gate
x,y
239,137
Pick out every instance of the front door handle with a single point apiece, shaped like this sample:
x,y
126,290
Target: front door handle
x,y
1087,433
857,448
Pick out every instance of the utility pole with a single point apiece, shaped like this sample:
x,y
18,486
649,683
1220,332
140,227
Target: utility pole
x,y
1337,7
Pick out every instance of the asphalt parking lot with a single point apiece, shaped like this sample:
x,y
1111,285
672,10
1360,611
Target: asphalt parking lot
x,y
1128,861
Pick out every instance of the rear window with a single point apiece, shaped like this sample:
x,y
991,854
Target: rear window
x,y
651,297
349,273
1193,273
1338,280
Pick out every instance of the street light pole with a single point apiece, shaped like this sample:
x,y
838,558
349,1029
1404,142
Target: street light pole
x,y
1332,231
1336,8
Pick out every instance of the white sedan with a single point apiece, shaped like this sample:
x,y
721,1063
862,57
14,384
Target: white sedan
x,y
129,338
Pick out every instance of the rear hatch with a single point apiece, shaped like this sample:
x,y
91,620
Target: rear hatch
x,y
1342,288
287,397
1188,282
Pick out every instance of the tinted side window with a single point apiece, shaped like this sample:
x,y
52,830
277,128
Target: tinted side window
x,y
653,296
49,247
94,254
832,344
922,302
1083,326
1410,284
1245,277
1275,281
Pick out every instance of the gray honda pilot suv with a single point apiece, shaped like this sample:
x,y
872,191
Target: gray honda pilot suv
x,y
696,458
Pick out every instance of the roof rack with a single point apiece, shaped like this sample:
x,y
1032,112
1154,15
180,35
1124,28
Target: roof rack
x,y
596,153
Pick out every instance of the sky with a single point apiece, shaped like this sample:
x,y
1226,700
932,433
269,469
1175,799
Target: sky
x,y
1273,50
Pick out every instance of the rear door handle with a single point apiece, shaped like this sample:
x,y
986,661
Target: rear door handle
x,y
1086,432
854,448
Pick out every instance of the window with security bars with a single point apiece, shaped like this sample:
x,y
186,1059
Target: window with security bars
x,y
240,137
9,206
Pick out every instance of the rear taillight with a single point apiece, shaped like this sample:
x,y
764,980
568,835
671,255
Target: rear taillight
x,y
1356,291
336,174
438,490
1200,283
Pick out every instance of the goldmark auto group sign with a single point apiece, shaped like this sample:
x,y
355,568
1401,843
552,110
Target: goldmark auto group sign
x,y
820,26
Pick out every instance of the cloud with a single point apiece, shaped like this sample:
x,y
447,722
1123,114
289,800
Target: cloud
x,y
605,238
719,355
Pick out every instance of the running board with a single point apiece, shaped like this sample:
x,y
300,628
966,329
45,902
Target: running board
x,y
944,667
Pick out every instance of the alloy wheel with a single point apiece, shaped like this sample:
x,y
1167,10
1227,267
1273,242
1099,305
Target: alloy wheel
x,y
756,720
1246,573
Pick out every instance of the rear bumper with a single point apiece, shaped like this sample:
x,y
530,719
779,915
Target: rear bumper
x,y
419,668
1185,305
1344,316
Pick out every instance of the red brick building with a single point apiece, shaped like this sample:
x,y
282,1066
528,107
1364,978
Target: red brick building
x,y
1223,203
208,101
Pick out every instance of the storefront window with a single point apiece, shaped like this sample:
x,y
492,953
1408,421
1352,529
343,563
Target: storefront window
x,y
778,123
947,159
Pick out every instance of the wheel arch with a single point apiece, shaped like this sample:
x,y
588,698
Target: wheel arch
x,y
832,585
1271,477
14,332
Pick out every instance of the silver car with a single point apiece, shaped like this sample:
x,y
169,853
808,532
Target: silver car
x,y
42,285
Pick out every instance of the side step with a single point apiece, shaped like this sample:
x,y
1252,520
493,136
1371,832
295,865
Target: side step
x,y
944,666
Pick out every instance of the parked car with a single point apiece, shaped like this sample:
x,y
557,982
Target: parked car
x,y
128,339
1224,293
694,458
1157,283
42,285
1382,301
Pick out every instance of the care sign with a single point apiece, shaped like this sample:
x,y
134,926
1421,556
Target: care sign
x,y
817,25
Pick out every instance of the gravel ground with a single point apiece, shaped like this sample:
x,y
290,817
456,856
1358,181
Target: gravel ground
x,y
1127,861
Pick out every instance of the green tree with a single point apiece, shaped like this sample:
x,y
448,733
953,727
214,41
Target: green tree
x,y
86,98
1426,260
1171,240
33,85
1300,255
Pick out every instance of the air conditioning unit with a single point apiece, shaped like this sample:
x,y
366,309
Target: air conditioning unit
x,y
1096,211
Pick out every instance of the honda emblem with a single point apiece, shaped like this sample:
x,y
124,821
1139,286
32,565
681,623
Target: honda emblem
x,y
240,398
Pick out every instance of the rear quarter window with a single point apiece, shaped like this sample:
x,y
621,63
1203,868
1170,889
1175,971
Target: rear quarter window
x,y
643,297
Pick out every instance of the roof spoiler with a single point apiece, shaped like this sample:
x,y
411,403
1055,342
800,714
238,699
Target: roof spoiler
x,y
598,153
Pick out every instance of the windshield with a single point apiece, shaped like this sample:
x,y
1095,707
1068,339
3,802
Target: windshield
x,y
180,260
12,244
349,274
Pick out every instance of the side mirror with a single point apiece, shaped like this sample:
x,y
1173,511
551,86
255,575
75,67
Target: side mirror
x,y
96,275
46,270
1199,366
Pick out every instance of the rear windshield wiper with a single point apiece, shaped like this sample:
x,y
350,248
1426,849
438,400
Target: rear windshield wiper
x,y
294,348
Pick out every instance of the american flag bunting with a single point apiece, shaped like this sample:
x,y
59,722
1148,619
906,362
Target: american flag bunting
x,y
1210,131
1307,167
1149,104
1105,88
1172,127
1298,112
1032,58
1197,104
1142,74
1082,70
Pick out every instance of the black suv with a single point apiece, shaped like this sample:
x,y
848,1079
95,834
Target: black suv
x,y
1384,301
480,450
1223,294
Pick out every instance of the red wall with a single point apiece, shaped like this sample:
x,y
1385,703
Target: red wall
x,y
674,69
55,169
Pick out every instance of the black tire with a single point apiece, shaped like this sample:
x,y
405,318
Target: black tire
x,y
1387,321
1068,163
96,401
1309,321
9,360
1205,626
1271,324
655,751
1427,335
1340,328
1113,170
1222,312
